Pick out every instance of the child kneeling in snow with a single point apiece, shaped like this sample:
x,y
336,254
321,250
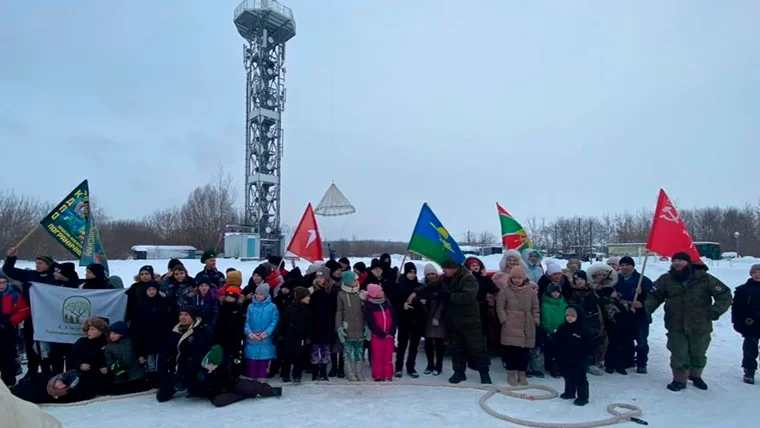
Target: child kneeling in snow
x,y
121,361
381,319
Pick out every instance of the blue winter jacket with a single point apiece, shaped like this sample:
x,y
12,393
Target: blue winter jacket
x,y
627,288
260,317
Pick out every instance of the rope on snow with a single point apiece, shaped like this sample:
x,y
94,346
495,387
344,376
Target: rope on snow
x,y
620,411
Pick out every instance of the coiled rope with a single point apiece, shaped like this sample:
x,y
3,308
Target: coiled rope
x,y
620,412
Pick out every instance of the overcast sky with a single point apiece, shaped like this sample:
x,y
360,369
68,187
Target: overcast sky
x,y
550,108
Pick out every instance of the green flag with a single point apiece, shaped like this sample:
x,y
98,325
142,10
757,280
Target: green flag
x,y
92,250
430,239
513,235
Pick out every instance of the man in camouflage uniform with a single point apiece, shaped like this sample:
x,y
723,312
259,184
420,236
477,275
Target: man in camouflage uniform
x,y
693,300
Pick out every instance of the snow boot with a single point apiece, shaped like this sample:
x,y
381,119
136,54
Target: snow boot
x,y
323,376
512,378
314,372
583,392
485,377
341,366
457,377
428,370
359,371
749,377
679,380
349,369
522,380
641,370
399,374
695,376
621,371
412,373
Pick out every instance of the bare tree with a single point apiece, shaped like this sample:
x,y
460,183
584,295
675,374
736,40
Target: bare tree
x,y
486,238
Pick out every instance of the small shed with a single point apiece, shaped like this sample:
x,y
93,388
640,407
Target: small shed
x,y
155,252
242,245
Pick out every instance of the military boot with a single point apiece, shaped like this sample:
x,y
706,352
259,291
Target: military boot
x,y
679,380
695,376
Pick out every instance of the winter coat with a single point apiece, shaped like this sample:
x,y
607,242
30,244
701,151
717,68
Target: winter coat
x,y
323,304
214,278
414,318
461,306
91,352
230,327
575,344
518,311
350,313
135,295
626,286
20,413
179,293
150,324
745,311
691,305
208,307
261,316
13,308
381,318
295,329
27,277
184,352
96,284
591,309
552,312
383,282
122,354
534,271
433,296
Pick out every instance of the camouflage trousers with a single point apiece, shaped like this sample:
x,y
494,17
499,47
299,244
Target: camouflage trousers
x,y
688,351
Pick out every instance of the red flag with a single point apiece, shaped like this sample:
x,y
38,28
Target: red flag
x,y
306,242
668,234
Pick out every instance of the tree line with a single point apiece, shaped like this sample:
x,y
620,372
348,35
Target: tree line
x,y
209,209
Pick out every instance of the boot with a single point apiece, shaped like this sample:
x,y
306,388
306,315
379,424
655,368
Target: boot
x,y
341,366
314,372
512,378
582,399
457,377
679,380
333,366
46,367
695,376
323,372
485,378
349,369
749,377
521,379
359,371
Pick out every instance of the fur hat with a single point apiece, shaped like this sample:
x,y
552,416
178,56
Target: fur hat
x,y
300,293
409,267
208,254
98,270
552,268
430,268
373,290
627,260
348,278
507,254
119,327
554,286
97,322
235,277
681,255
449,263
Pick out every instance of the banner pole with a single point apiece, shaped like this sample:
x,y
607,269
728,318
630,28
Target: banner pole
x,y
641,278
28,235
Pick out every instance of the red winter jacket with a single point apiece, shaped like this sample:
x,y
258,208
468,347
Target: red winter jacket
x,y
19,311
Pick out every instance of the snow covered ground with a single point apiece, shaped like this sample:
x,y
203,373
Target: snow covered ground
x,y
727,403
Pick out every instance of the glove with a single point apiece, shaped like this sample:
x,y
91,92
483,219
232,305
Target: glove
x,y
435,322
118,371
342,334
367,334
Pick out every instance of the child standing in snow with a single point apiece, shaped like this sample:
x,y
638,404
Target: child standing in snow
x,y
745,315
323,306
261,320
381,320
435,328
151,322
552,316
121,361
577,345
295,332
350,326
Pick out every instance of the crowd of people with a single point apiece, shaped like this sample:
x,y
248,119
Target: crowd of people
x,y
210,336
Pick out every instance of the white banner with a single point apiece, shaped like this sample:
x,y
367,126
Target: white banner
x,y
58,312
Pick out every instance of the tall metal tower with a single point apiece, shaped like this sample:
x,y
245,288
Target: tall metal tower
x,y
265,25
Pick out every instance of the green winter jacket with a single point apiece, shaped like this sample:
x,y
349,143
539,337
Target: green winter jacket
x,y
122,354
690,306
461,299
552,312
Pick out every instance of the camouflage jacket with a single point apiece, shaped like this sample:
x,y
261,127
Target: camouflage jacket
x,y
692,305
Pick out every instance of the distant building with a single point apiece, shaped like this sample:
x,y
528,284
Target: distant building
x,y
711,250
153,252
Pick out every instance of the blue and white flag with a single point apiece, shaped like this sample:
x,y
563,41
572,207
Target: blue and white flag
x,y
58,312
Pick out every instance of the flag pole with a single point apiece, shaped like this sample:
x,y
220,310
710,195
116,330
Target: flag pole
x,y
398,275
28,235
641,278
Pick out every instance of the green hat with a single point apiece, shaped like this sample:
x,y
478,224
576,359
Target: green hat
x,y
208,254
214,356
348,278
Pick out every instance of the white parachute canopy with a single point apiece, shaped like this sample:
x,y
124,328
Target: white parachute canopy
x,y
334,203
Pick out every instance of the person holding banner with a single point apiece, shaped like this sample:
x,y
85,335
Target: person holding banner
x,y
42,273
13,310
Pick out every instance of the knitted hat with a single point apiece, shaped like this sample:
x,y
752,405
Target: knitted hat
x,y
173,263
208,254
375,264
235,277
214,356
98,270
348,278
430,268
116,282
147,268
262,289
580,274
360,266
274,260
518,271
554,286
152,284
119,327
333,266
191,310
46,259
68,270
179,268
449,263
233,290
290,284
344,261
552,268
627,260
203,279
69,378
754,268
681,255
262,270
300,293
572,310
373,290
409,267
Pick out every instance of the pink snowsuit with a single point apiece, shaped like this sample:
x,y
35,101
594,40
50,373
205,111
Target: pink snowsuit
x,y
381,320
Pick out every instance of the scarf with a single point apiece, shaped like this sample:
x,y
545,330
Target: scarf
x,y
350,290
377,301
